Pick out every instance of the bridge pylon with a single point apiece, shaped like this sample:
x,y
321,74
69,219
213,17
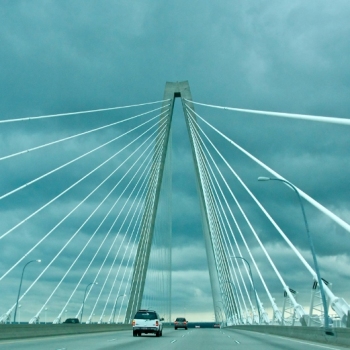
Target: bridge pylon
x,y
217,264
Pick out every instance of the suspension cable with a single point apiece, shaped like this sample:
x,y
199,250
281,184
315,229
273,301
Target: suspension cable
x,y
40,241
146,224
157,157
87,243
33,283
301,258
110,251
76,135
146,206
74,160
127,230
333,120
237,225
296,305
76,113
196,136
212,212
319,206
73,185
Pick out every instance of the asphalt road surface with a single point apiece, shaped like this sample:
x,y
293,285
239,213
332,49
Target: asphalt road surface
x,y
192,339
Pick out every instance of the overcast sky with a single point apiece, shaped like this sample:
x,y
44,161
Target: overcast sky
x,y
276,55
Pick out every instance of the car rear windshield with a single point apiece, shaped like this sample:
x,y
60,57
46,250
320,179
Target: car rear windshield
x,y
71,320
180,319
145,315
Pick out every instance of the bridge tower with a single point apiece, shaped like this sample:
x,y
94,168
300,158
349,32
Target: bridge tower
x,y
217,269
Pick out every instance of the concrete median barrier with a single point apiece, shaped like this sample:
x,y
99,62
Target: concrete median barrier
x,y
18,331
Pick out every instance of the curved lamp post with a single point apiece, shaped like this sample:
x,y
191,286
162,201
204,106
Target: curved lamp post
x,y
252,280
115,305
20,286
82,308
320,283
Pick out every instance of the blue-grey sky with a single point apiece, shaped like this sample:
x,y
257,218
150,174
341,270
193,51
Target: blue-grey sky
x,y
276,55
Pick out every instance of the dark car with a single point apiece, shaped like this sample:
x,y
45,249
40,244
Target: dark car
x,y
180,322
72,320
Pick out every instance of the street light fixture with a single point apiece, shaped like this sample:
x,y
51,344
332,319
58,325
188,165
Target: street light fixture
x,y
320,283
20,286
115,305
252,282
82,308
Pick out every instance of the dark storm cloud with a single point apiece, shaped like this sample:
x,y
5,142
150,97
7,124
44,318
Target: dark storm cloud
x,y
59,56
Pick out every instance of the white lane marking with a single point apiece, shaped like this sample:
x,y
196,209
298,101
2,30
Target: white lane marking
x,y
230,337
173,341
62,349
111,340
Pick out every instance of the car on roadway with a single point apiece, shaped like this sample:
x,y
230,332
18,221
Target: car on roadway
x,y
72,320
180,322
147,321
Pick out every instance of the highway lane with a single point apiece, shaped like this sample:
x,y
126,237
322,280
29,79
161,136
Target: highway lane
x,y
203,339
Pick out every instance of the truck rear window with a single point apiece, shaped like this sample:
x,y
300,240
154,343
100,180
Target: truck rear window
x,y
145,316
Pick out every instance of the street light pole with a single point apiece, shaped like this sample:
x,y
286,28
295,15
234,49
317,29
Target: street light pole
x,y
115,305
319,279
82,308
19,313
20,286
252,281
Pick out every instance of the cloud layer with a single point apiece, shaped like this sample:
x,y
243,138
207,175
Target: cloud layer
x,y
294,57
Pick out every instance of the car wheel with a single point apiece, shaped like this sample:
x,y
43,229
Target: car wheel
x,y
157,333
186,328
175,328
134,334
161,333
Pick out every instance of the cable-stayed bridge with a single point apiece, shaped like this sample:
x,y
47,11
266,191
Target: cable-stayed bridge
x,y
89,194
